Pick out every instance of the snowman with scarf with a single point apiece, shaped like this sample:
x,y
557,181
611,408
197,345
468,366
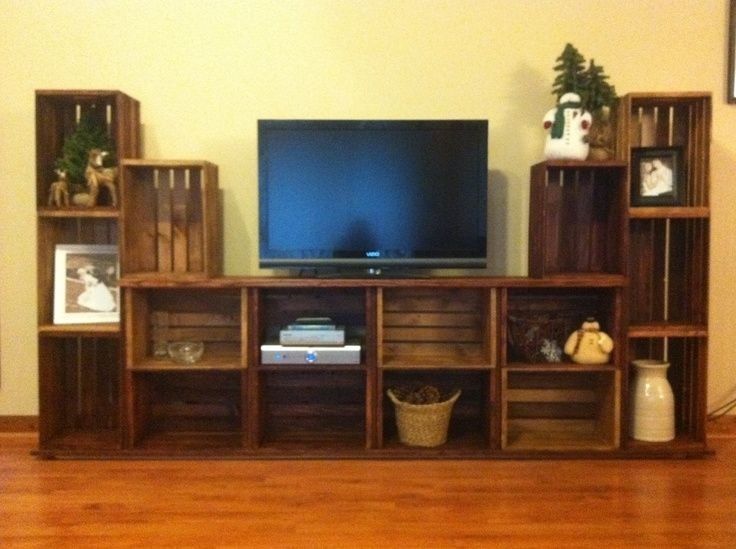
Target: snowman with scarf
x,y
568,125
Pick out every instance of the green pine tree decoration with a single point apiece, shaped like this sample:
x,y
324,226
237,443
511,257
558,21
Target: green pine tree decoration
x,y
590,83
75,151
571,74
599,93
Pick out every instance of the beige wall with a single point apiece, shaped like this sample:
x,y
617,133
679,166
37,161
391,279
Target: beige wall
x,y
206,71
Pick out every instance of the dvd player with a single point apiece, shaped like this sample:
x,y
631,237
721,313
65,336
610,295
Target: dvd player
x,y
289,354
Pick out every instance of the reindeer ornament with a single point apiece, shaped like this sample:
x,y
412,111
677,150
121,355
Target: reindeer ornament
x,y
59,190
97,176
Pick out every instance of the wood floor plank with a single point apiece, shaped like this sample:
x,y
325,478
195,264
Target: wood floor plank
x,y
360,503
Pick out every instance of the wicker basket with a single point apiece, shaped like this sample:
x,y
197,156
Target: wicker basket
x,y
423,424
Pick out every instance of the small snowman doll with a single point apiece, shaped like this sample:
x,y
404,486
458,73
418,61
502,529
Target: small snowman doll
x,y
589,345
568,125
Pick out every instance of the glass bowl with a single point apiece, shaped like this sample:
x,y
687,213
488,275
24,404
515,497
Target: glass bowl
x,y
186,352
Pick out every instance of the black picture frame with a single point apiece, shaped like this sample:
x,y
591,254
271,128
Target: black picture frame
x,y
731,92
657,176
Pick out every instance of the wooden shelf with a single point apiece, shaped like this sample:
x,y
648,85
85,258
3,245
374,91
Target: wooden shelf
x,y
666,329
559,435
80,330
81,213
558,367
429,364
210,363
699,212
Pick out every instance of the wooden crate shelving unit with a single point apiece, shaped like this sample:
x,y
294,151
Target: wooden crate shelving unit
x,y
668,256
106,394
79,365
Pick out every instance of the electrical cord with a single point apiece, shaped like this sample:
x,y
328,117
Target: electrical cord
x,y
722,410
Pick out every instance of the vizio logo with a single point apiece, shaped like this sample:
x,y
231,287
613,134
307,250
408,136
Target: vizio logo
x,y
373,253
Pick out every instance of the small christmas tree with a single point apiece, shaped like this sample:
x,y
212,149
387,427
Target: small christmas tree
x,y
75,151
590,83
599,92
571,75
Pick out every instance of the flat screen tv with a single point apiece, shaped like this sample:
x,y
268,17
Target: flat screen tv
x,y
372,195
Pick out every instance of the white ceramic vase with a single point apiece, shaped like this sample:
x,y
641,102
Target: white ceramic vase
x,y
652,402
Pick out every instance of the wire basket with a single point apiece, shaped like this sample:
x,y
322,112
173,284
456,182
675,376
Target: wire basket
x,y
423,424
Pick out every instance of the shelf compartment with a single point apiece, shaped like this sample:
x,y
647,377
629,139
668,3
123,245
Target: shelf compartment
x,y
298,407
666,120
687,375
163,315
436,327
668,267
470,423
58,113
561,410
172,411
539,321
577,218
171,218
52,231
79,393
278,307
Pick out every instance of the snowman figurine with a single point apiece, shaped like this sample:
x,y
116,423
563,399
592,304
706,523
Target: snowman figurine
x,y
589,345
568,125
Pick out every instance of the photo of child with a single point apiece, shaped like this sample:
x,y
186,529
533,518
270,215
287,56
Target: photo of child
x,y
91,286
86,285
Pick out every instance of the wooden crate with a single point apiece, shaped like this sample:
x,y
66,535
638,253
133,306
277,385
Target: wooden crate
x,y
532,315
79,396
320,405
470,423
669,271
560,408
171,219
436,327
671,120
175,411
577,217
160,316
59,111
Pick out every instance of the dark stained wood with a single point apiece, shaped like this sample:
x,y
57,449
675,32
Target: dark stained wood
x,y
171,219
577,218
79,366
667,294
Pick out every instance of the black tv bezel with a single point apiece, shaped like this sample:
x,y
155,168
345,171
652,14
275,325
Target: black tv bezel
x,y
365,264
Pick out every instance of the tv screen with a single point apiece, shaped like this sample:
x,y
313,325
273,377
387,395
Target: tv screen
x,y
372,194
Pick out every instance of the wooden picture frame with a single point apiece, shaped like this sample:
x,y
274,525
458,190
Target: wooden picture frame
x,y
731,92
86,286
657,176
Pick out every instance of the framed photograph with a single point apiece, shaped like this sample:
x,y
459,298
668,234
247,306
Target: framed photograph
x,y
86,286
657,177
731,95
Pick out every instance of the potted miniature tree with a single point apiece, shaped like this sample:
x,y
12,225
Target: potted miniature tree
x,y
75,155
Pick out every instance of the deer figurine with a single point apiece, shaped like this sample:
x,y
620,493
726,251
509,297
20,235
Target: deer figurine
x,y
59,190
97,176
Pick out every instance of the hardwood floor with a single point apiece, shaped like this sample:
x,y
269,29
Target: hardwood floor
x,y
367,503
